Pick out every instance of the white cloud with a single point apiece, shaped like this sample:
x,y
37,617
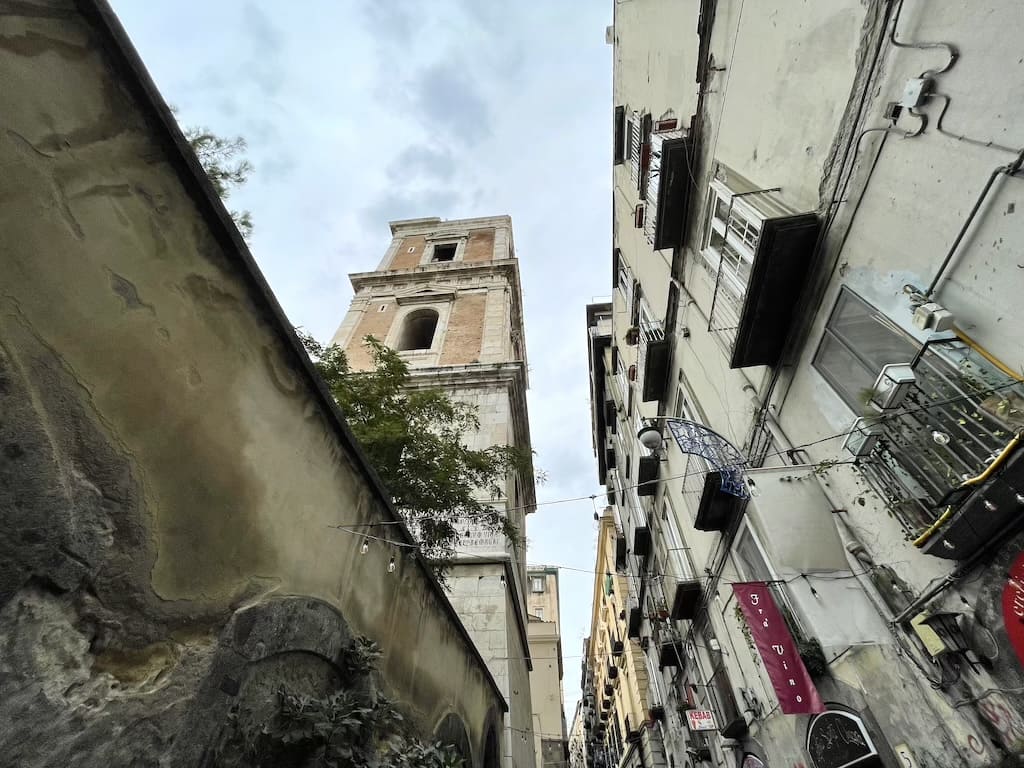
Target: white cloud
x,y
360,112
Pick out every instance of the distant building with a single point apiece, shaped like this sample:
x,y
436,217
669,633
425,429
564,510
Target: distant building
x,y
811,285
621,711
447,296
544,629
577,739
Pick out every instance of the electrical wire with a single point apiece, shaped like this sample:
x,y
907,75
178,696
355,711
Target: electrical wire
x,y
666,576
951,50
780,454
960,137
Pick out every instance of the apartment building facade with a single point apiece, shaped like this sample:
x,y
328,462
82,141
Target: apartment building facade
x,y
807,386
544,630
447,297
619,705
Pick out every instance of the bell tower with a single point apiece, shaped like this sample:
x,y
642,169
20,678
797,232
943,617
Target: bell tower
x,y
447,297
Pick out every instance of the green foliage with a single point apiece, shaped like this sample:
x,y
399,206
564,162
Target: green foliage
x,y
414,439
353,727
225,164
813,656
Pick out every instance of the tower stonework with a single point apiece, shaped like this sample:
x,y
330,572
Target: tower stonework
x,y
447,296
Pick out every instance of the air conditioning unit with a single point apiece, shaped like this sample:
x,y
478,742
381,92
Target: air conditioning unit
x,y
863,437
892,385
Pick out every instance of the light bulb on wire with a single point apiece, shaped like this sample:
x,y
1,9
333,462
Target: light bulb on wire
x,y
391,565
365,547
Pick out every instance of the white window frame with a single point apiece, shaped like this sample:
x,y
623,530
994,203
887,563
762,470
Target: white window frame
x,y
534,581
744,230
625,276
677,553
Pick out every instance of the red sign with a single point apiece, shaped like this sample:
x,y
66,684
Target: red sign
x,y
1013,606
794,687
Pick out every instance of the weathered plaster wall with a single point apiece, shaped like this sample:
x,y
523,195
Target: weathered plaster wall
x,y
169,470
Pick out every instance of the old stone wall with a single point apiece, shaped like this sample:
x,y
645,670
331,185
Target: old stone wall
x,y
172,474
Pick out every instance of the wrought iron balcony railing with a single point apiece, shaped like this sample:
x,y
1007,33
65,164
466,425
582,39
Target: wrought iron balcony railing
x,y
958,416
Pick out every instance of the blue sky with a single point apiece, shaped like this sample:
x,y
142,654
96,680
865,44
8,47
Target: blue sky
x,y
357,113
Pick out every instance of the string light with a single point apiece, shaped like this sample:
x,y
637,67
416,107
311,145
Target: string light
x,y
391,565
365,547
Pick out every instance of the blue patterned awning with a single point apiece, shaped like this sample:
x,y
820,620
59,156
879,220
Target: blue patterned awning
x,y
722,455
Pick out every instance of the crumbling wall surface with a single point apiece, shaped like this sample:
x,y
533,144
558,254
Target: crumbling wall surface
x,y
167,460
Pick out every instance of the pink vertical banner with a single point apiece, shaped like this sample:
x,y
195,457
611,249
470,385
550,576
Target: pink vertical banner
x,y
794,687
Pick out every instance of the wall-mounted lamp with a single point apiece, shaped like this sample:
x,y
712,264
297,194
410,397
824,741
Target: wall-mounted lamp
x,y
650,438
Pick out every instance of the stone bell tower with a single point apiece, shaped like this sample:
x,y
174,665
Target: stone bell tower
x,y
447,296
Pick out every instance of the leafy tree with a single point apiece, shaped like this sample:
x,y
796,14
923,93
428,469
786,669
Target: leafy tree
x,y
414,439
225,164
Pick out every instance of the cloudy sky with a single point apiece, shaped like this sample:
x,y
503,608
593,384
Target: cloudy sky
x,y
357,113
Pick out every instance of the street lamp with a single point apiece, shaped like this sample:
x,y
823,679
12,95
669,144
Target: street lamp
x,y
650,438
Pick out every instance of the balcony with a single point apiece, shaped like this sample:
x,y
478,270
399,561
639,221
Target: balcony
x,y
945,459
641,541
648,469
653,358
758,252
620,554
686,600
717,509
668,188
636,618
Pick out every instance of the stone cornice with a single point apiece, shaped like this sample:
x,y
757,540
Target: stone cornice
x,y
426,226
439,271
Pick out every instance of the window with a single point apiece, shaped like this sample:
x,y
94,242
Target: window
x,y
681,410
537,584
731,231
645,157
445,251
754,567
538,611
418,330
619,130
857,342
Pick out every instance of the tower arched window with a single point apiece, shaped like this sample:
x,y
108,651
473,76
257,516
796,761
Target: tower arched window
x,y
418,330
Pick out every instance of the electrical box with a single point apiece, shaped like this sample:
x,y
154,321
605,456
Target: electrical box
x,y
862,439
892,385
914,92
933,317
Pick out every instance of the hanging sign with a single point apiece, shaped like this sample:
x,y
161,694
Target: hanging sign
x,y
794,687
701,719
1013,606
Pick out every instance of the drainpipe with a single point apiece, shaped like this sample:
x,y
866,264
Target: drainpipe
x,y
1009,169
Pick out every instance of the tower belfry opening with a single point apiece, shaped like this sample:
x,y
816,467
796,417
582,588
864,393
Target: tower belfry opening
x,y
418,330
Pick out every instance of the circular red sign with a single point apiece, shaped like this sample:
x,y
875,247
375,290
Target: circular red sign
x,y
1013,606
